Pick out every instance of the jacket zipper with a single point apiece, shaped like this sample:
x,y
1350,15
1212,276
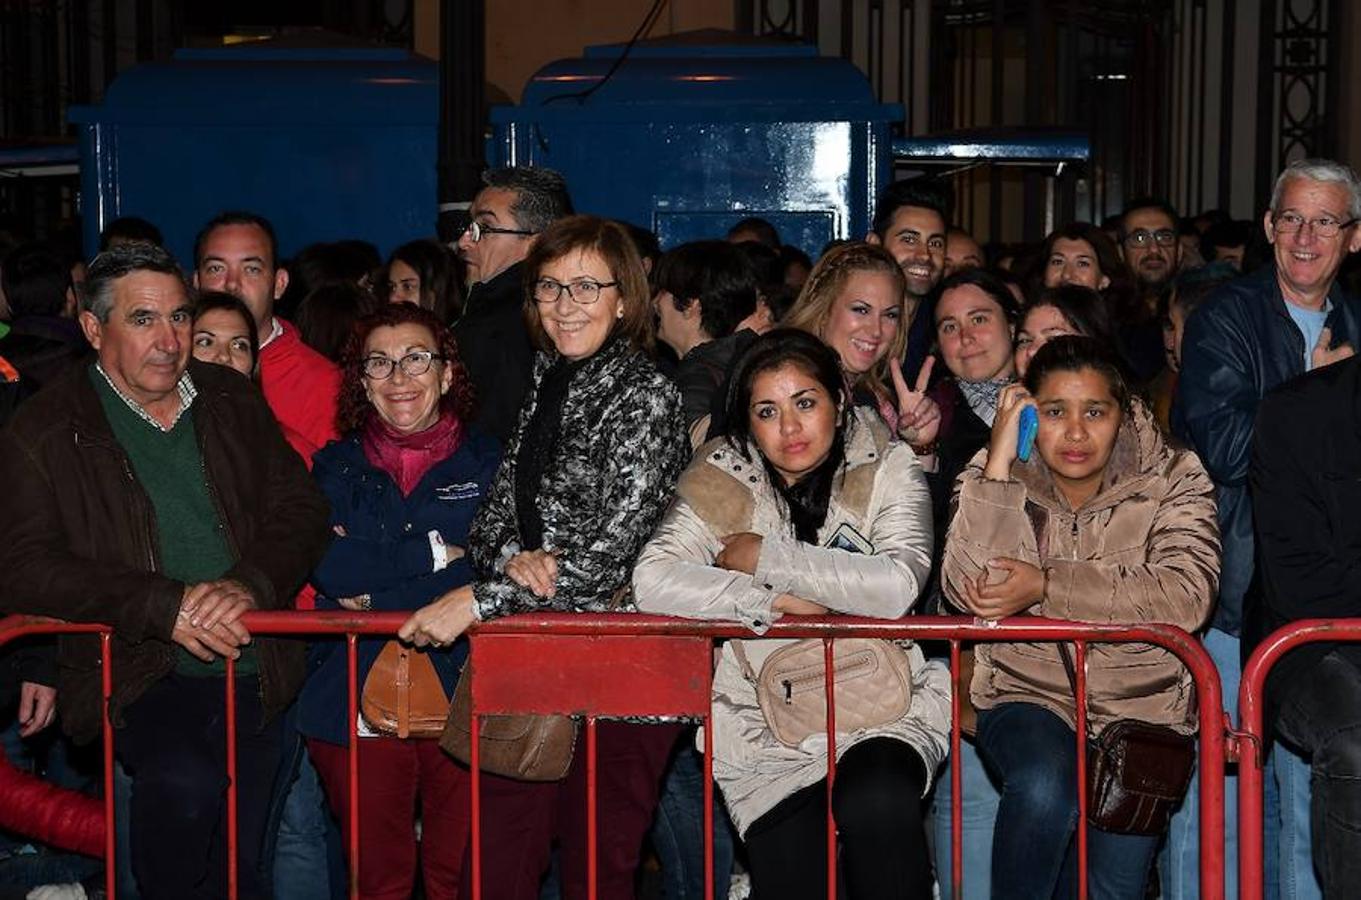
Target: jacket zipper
x,y
847,666
232,544
139,496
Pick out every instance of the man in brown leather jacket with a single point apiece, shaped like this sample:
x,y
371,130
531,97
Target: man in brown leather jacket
x,y
157,495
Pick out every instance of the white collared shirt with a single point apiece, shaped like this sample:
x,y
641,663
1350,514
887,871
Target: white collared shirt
x,y
185,387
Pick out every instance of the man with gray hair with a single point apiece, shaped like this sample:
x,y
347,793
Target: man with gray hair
x,y
513,207
156,494
1248,337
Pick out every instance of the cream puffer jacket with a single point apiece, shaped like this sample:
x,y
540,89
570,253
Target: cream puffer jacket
x,y
882,494
1144,549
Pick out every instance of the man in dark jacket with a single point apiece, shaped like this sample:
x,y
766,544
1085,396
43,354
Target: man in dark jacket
x,y
506,216
1246,339
1306,486
158,495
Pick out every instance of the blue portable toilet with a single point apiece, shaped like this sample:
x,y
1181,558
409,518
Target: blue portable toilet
x,y
687,138
327,144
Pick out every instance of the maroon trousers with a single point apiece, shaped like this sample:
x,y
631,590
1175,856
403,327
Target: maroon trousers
x,y
394,776
520,819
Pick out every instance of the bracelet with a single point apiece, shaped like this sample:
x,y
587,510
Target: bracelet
x,y
924,449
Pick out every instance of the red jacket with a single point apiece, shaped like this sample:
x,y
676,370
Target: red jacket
x,y
302,388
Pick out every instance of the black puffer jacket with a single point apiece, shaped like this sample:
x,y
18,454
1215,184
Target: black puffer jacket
x,y
621,446
1238,345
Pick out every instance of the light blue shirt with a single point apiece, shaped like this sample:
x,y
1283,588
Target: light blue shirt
x,y
1310,324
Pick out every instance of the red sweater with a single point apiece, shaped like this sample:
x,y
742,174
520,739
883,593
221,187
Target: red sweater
x,y
302,388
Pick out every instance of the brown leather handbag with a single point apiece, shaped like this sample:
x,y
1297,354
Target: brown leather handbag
x,y
527,747
1137,772
403,695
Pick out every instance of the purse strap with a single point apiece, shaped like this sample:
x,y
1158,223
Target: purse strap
x,y
1071,670
747,671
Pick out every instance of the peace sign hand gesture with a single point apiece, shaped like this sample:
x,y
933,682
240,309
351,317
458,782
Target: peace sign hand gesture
x,y
918,414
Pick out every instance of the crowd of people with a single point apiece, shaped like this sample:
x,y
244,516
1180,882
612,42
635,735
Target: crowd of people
x,y
558,414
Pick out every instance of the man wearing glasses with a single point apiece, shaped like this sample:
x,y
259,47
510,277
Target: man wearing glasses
x,y
1250,336
514,205
1148,239
1151,249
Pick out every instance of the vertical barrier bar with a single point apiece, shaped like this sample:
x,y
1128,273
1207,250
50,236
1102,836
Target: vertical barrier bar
x,y
106,735
829,680
709,788
956,779
475,765
352,758
1080,704
591,837
1210,694
232,873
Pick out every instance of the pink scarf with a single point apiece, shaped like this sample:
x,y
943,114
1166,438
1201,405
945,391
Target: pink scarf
x,y
407,457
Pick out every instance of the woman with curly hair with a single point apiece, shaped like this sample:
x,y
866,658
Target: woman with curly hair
x,y
404,483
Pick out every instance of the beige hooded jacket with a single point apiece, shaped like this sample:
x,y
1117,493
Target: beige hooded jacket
x,y
1144,549
882,494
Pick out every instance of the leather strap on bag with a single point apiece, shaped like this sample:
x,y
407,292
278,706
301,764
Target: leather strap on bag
x,y
403,695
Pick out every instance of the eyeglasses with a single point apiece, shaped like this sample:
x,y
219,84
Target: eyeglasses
x,y
414,364
583,292
1163,237
1323,226
476,231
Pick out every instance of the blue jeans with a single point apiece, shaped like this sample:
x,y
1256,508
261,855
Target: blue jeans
x,y
1179,864
1033,753
979,814
1294,861
301,861
678,829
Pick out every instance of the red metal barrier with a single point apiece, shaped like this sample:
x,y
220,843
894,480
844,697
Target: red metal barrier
x,y
1252,755
15,627
614,665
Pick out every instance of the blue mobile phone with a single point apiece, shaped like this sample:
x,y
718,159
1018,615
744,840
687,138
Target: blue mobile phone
x,y
1025,437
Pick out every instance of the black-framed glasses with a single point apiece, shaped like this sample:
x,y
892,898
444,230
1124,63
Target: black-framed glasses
x,y
1142,237
583,292
414,364
1322,226
476,231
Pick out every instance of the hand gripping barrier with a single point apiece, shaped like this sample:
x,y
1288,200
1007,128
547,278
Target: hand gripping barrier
x,y
613,665
1252,736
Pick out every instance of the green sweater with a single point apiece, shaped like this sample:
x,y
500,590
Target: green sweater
x,y
190,535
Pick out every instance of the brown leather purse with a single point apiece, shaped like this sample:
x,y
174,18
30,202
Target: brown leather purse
x,y
1137,772
403,695
528,747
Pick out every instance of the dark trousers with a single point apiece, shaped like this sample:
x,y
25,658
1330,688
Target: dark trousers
x,y
1033,755
174,748
520,819
399,779
877,805
1320,714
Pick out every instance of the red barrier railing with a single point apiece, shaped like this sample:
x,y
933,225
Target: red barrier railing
x,y
554,663
1252,758
14,627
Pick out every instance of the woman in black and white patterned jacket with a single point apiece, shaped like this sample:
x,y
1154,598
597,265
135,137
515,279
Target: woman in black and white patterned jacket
x,y
591,468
